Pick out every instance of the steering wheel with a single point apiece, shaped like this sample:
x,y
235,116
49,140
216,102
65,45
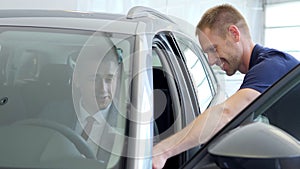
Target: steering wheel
x,y
77,140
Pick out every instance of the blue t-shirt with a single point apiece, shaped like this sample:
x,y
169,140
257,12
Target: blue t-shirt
x,y
266,67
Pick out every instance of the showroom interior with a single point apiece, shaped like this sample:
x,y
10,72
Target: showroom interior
x,y
272,22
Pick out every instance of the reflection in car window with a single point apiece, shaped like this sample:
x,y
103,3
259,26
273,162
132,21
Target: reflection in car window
x,y
39,80
197,73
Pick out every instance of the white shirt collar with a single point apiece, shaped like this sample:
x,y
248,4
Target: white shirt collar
x,y
99,116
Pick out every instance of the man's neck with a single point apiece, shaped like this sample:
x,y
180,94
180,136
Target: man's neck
x,y
247,51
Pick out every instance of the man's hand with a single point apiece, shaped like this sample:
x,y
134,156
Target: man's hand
x,y
158,161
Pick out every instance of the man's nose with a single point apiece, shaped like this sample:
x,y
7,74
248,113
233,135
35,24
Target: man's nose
x,y
101,85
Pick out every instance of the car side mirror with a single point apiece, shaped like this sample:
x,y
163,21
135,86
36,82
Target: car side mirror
x,y
256,146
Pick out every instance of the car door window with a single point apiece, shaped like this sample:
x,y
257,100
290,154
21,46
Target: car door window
x,y
180,79
170,96
163,104
195,63
284,113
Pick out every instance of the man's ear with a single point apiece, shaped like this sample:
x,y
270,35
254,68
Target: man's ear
x,y
234,32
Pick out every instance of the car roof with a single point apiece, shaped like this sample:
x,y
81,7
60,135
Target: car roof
x,y
11,13
66,19
152,20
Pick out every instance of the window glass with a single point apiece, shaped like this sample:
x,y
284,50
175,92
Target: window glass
x,y
63,76
197,73
284,113
155,59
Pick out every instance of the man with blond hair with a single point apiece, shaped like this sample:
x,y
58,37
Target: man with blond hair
x,y
225,37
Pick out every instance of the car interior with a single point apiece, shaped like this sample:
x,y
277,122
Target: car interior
x,y
164,108
285,112
37,108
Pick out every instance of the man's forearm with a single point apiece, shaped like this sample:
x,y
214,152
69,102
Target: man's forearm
x,y
196,133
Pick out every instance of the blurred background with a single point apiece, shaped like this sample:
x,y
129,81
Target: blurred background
x,y
273,23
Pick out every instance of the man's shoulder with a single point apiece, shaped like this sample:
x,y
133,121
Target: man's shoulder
x,y
265,52
265,56
267,66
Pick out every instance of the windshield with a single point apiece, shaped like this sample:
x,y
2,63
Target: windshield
x,y
63,96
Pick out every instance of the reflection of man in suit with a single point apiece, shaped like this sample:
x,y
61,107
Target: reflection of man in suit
x,y
97,69
97,80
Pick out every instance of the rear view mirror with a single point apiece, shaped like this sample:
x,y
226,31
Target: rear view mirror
x,y
256,146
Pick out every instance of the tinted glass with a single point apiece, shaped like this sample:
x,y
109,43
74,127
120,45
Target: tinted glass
x,y
51,80
284,113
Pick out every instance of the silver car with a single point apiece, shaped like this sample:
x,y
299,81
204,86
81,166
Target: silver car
x,y
49,68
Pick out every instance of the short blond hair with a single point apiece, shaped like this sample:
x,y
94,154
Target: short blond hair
x,y
220,17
